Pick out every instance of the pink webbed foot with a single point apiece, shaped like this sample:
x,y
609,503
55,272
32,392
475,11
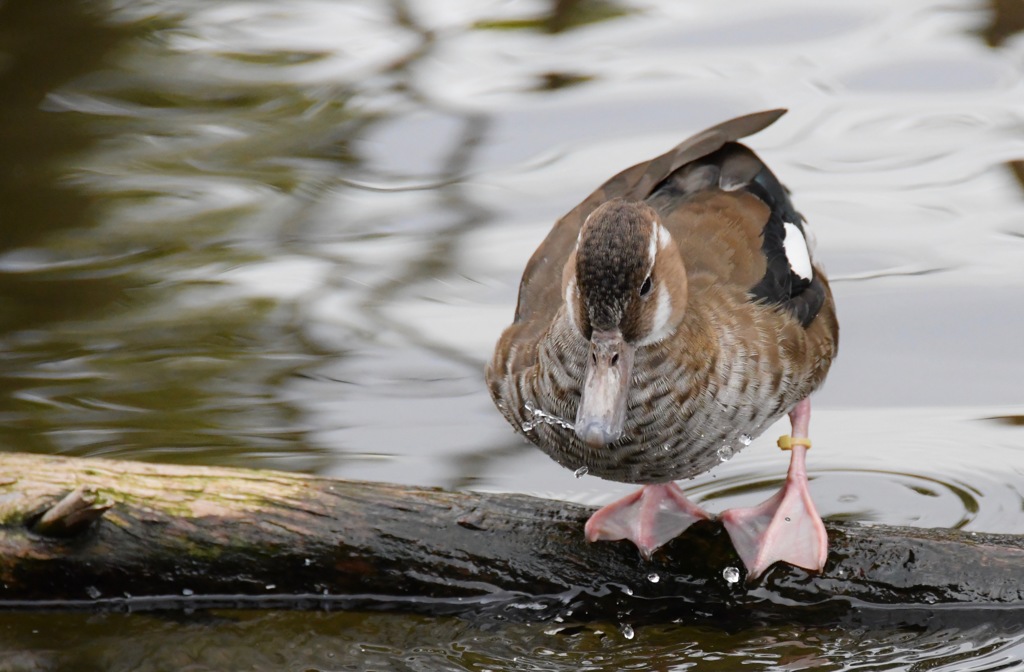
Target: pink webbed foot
x,y
786,527
649,517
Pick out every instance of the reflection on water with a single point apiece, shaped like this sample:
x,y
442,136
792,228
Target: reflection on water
x,y
361,641
289,235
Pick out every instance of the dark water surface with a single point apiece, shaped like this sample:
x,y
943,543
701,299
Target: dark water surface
x,y
287,235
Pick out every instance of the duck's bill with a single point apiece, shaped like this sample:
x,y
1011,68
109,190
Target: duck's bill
x,y
602,411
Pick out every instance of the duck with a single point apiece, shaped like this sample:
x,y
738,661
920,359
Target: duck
x,y
663,324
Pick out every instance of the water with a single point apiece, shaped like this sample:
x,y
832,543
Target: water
x,y
288,236
368,641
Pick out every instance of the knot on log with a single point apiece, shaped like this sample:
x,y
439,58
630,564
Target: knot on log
x,y
72,515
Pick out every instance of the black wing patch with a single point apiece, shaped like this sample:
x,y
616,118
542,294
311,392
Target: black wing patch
x,y
784,283
787,282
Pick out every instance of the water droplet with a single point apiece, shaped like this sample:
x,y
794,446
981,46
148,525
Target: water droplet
x,y
627,631
725,453
581,472
271,586
537,416
745,439
787,519
308,562
653,577
627,590
731,575
666,447
93,592
187,592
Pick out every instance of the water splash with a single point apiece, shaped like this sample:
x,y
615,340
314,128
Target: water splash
x,y
731,575
627,631
537,417
581,472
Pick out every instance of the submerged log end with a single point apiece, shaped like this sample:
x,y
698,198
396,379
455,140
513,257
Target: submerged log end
x,y
73,514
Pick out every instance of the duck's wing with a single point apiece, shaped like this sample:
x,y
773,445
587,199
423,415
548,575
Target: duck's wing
x,y
734,224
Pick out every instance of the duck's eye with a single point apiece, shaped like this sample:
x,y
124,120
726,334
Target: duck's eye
x,y
645,288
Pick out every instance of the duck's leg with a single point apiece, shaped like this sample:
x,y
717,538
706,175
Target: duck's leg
x,y
650,517
786,527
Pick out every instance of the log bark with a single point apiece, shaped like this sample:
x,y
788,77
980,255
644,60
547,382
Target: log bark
x,y
95,533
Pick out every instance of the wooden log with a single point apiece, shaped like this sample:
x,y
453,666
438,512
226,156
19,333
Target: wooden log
x,y
96,533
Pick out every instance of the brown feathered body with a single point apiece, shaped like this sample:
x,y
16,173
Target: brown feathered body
x,y
741,356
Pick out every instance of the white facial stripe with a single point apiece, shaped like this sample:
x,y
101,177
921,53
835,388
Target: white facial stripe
x,y
796,251
664,237
660,328
652,244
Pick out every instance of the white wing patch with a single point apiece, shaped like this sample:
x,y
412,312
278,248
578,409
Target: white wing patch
x,y
797,252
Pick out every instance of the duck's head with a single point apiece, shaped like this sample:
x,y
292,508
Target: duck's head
x,y
624,288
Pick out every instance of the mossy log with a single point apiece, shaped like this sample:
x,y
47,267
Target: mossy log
x,y
96,533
